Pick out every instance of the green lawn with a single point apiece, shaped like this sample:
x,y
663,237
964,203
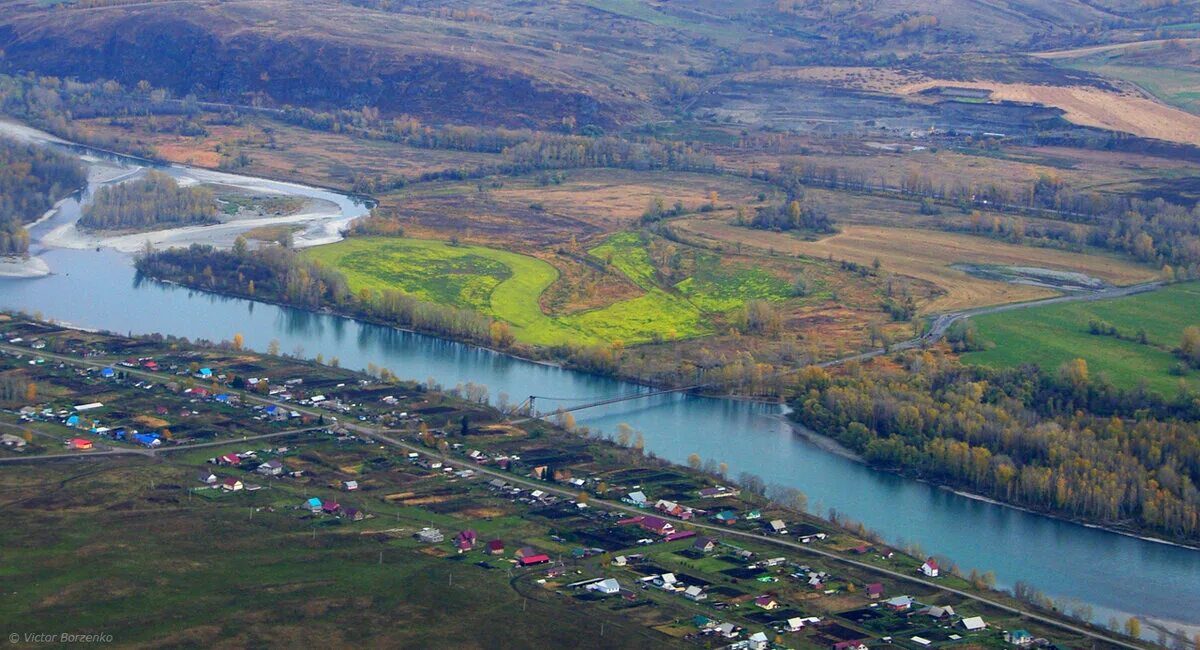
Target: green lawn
x,y
1052,335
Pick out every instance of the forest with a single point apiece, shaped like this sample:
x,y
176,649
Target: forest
x,y
1060,442
32,179
148,203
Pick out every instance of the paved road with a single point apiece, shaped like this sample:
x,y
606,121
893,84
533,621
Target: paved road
x,y
388,436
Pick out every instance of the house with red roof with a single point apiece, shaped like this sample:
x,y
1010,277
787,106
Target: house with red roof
x,y
766,602
530,560
495,547
657,525
930,568
232,484
875,590
330,507
81,444
230,459
465,540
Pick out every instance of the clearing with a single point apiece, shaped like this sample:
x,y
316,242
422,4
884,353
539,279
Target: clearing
x,y
1055,334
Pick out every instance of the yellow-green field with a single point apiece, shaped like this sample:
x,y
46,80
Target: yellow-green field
x,y
507,286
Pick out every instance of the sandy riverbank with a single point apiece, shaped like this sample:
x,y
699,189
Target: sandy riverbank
x,y
23,267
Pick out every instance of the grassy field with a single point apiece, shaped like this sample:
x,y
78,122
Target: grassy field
x,y
498,283
1052,335
927,255
507,286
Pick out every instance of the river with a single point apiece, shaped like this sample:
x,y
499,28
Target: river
x,y
1117,575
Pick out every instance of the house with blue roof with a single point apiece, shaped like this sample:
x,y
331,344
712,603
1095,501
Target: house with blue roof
x,y
147,439
314,504
205,373
73,421
108,373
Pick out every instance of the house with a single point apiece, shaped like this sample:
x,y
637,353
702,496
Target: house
x,y
767,602
899,603
727,630
313,504
683,534
205,373
72,421
673,509
705,545
855,644
147,439
231,485
350,485
607,586
1018,637
777,526
930,568
636,498
666,581
89,406
974,623
430,536
108,373
758,641
657,525
531,560
330,507
208,478
354,514
940,612
727,517
270,468
718,492
465,540
495,547
526,551
694,593
875,590
797,623
81,444
9,440
229,459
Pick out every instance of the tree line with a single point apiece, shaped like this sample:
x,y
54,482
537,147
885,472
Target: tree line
x,y
147,203
1061,442
32,179
278,274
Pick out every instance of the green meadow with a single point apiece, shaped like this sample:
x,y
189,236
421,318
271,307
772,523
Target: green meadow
x,y
1051,335
507,286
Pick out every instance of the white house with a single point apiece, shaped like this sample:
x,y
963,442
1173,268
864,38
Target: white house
x,y
606,586
795,624
930,568
637,498
778,527
694,593
758,641
974,623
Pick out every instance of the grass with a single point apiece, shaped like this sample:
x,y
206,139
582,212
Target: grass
x,y
927,255
507,286
498,283
1174,85
1055,334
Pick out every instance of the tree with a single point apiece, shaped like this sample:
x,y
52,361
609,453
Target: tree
x,y
464,425
273,348
693,460
1189,347
1133,627
568,422
31,392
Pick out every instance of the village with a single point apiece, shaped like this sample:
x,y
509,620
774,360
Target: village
x,y
566,520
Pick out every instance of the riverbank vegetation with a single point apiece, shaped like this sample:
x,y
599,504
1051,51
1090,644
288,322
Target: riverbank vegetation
x,y
32,179
1059,440
152,202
